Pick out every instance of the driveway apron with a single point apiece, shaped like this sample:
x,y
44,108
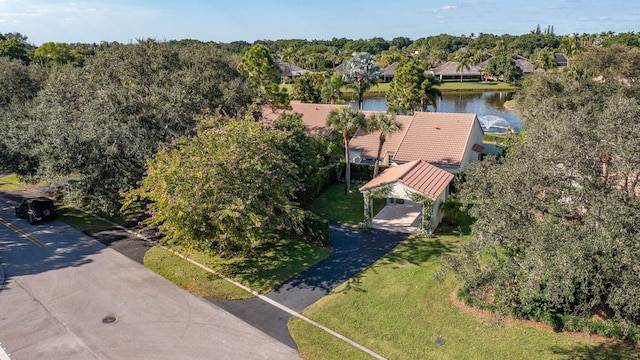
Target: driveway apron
x,y
353,251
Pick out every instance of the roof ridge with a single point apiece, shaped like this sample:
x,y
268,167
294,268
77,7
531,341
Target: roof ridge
x,y
409,168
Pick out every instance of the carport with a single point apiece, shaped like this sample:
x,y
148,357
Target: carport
x,y
422,186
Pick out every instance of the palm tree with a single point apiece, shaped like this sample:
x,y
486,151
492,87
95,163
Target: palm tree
x,y
346,120
362,73
386,124
430,92
463,63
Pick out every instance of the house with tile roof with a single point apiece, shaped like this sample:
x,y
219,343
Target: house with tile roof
x,y
289,72
314,116
404,182
449,141
449,71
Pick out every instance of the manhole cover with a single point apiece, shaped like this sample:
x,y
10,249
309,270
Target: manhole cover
x,y
440,341
109,319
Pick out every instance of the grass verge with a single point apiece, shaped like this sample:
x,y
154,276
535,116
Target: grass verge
x,y
270,264
398,309
11,182
347,210
81,220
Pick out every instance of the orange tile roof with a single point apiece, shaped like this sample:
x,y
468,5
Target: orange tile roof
x,y
369,142
419,175
438,138
314,116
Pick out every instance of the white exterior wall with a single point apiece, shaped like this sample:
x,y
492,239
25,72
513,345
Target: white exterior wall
x,y
355,155
476,137
436,212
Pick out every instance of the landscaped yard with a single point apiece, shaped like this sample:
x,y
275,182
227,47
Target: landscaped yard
x,y
270,264
10,182
397,309
333,204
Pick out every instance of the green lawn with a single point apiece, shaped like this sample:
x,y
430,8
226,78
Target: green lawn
x,y
11,182
269,265
81,220
397,309
347,210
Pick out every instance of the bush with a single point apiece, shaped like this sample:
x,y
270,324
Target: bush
x,y
361,172
608,328
305,224
314,185
456,213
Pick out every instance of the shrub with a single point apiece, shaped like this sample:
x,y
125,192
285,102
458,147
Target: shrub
x,y
361,172
314,185
305,224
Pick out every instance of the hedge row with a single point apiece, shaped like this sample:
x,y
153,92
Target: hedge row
x,y
306,224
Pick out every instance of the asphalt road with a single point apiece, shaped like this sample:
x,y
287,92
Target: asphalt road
x,y
67,296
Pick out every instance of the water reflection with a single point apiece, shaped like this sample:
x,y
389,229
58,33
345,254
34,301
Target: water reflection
x,y
488,106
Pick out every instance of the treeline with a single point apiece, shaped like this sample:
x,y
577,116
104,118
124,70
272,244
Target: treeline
x,y
318,55
92,127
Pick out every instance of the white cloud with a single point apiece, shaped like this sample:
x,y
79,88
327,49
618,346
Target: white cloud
x,y
449,7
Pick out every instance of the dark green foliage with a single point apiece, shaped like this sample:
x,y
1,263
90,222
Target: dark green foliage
x,y
505,68
305,224
98,123
360,173
316,183
558,217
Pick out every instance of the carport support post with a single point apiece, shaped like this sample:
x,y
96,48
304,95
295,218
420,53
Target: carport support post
x,y
368,211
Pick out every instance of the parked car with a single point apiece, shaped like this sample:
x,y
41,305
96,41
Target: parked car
x,y
36,209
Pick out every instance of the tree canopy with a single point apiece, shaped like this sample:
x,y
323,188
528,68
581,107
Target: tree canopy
x,y
558,222
219,190
411,90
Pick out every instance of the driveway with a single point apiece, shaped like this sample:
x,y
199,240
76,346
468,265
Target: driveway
x,y
67,296
353,251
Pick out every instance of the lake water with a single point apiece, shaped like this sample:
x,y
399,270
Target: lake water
x,y
488,106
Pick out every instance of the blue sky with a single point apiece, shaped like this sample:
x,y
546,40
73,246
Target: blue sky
x,y
228,20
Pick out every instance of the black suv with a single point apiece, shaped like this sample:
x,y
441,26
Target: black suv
x,y
36,209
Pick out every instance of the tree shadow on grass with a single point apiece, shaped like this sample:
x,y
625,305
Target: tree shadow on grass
x,y
418,250
599,351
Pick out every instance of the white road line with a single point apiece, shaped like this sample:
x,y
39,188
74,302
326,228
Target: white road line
x,y
3,354
280,306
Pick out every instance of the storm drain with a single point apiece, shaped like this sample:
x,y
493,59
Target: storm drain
x,y
109,319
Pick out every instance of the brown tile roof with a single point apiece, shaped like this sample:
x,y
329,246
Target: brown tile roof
x,y
419,175
438,138
368,142
314,116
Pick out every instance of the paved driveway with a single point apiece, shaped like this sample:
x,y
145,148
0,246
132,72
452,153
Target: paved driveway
x,y
353,251
67,296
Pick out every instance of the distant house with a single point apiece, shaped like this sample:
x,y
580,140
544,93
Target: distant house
x,y
387,73
449,71
524,64
449,141
562,60
289,72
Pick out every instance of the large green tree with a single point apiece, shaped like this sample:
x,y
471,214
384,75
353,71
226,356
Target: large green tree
x,y
411,90
360,73
97,124
346,121
259,66
220,189
557,230
504,67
